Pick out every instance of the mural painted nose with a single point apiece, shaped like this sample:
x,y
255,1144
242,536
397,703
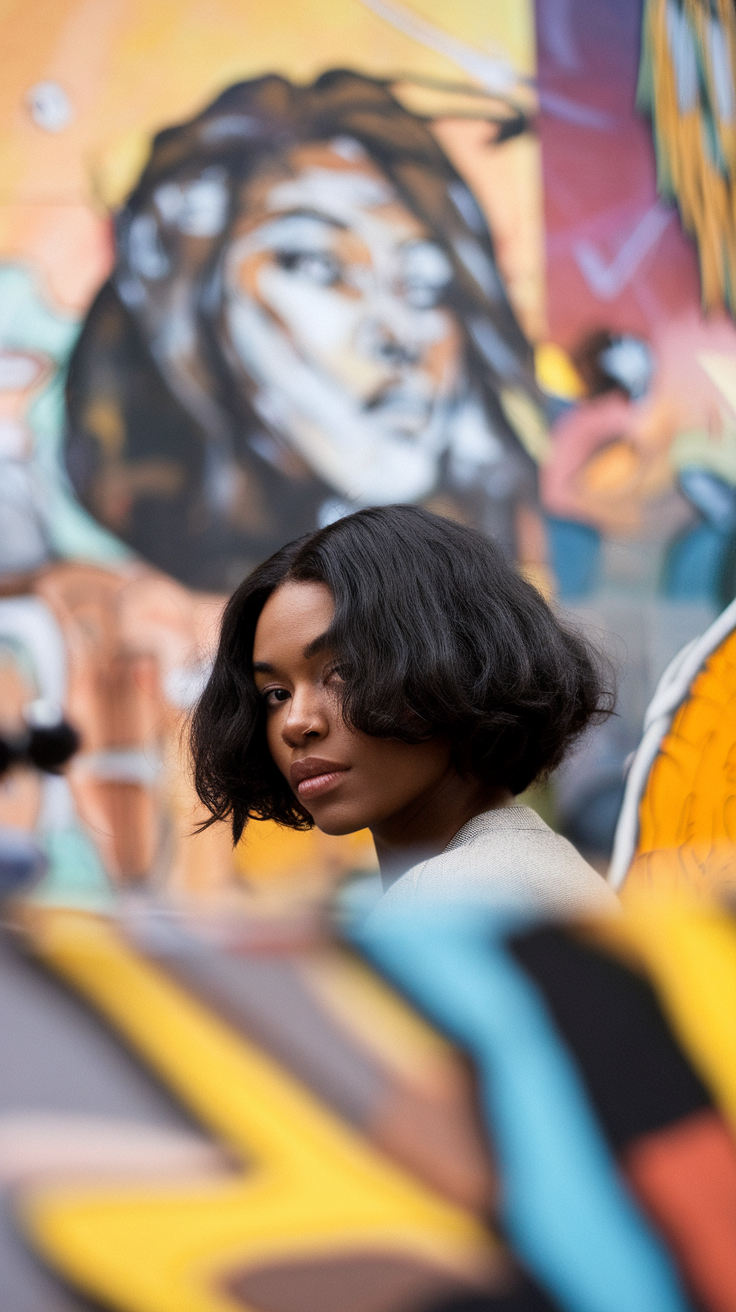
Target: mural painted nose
x,y
385,339
394,351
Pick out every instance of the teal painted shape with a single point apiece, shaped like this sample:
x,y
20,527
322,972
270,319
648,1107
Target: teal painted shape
x,y
76,875
26,323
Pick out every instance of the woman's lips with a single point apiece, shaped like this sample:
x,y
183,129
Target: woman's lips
x,y
319,783
312,776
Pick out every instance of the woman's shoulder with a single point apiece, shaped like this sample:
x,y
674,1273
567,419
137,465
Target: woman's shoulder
x,y
509,852
495,825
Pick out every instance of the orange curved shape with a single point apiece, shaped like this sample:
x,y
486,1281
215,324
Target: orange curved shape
x,y
687,814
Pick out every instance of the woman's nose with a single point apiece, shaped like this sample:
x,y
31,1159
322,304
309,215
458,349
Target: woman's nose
x,y
307,718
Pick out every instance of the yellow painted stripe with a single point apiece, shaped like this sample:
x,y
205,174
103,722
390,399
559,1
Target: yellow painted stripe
x,y
311,1186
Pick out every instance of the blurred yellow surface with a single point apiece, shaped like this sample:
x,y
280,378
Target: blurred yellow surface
x,y
268,854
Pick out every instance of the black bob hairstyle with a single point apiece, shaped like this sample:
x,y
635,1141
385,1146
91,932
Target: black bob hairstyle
x,y
435,633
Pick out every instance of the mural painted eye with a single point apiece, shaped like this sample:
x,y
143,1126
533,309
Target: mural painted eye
x,y
426,271
319,267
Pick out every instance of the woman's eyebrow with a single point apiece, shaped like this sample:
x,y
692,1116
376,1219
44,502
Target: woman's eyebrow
x,y
317,645
263,667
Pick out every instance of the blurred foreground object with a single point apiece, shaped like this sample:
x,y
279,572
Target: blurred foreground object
x,y
22,862
687,86
46,741
677,828
353,1172
43,741
244,1115
606,1063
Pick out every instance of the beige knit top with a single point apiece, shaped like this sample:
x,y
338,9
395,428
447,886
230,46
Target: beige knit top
x,y
508,854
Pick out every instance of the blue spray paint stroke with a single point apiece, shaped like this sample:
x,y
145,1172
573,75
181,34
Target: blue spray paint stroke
x,y
564,1207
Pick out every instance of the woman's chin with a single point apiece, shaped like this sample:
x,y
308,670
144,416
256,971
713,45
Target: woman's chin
x,y
336,822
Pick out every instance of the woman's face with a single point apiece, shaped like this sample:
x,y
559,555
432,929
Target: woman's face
x,y
346,780
333,309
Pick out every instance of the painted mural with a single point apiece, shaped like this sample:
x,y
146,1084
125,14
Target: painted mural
x,y
250,281
261,265
305,317
262,296
639,490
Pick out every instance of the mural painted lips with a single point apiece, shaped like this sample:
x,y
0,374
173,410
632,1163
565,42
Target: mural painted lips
x,y
403,408
313,776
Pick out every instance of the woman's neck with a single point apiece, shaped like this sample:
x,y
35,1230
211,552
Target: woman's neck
x,y
424,828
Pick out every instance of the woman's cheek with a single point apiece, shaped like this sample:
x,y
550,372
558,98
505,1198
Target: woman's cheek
x,y
274,739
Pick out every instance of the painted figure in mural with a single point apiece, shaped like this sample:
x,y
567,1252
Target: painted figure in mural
x,y
630,463
305,317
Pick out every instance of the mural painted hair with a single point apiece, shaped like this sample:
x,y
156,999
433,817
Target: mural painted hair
x,y
177,444
435,633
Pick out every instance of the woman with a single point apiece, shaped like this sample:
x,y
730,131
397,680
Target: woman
x,y
392,671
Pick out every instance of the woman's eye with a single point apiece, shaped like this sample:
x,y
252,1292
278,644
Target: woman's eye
x,y
275,696
319,267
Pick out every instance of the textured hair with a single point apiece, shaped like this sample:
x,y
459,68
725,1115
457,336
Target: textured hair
x,y
435,633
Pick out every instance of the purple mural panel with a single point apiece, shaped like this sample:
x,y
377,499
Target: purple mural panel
x,y
615,252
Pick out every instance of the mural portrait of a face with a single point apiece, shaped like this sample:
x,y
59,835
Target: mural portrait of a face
x,y
305,317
